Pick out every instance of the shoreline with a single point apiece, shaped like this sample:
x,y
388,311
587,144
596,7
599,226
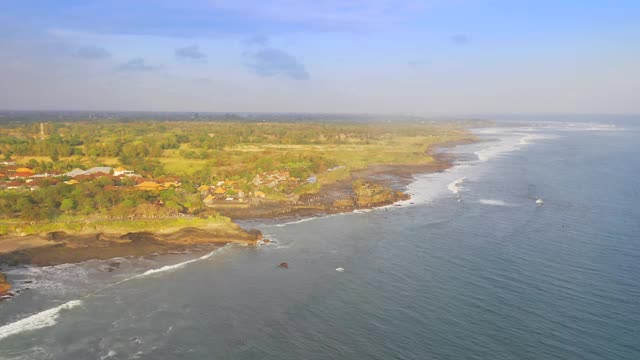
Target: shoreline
x,y
59,247
394,177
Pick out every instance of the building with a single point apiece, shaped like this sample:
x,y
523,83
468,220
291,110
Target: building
x,y
150,186
106,170
23,172
100,169
209,199
75,172
120,171
12,185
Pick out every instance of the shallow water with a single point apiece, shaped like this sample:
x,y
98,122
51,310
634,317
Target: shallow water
x,y
465,269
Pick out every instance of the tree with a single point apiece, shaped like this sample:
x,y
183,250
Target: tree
x,y
67,205
55,156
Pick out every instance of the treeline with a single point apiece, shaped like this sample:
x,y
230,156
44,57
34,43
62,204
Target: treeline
x,y
195,140
99,197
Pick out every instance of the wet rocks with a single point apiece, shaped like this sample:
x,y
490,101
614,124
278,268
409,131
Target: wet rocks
x,y
257,234
4,286
57,236
111,266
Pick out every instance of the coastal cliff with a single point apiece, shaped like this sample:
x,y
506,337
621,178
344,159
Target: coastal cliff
x,y
60,247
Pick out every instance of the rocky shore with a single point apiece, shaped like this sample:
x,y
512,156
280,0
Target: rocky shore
x,y
59,247
374,186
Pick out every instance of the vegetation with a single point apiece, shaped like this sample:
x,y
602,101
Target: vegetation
x,y
200,161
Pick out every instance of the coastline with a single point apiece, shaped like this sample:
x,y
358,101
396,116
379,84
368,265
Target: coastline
x,y
386,181
393,177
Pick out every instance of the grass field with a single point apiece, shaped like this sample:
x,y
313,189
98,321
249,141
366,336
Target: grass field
x,y
79,225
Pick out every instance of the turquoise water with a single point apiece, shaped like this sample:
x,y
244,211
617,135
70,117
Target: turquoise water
x,y
472,269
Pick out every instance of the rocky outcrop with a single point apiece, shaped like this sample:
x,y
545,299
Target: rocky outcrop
x,y
343,203
4,285
193,236
368,194
63,248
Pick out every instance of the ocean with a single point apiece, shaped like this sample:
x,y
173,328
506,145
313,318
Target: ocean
x,y
473,266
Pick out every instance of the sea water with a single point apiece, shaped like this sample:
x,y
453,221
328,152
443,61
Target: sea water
x,y
469,268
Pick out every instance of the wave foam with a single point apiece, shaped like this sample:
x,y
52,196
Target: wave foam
x,y
492,202
171,267
454,186
37,321
297,221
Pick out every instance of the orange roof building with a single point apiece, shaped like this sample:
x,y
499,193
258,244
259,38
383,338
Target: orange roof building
x,y
149,185
24,172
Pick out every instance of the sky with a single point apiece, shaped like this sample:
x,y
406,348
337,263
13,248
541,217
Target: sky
x,y
328,56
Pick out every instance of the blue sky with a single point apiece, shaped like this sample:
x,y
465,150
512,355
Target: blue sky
x,y
375,56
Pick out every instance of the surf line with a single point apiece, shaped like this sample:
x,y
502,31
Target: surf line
x,y
454,187
48,318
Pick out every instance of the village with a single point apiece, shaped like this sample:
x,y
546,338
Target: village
x,y
261,186
14,177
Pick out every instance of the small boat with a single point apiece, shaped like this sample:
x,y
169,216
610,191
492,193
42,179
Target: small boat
x,y
539,201
339,269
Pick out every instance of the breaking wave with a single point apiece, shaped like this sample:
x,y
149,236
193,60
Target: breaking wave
x,y
454,186
172,267
297,221
37,321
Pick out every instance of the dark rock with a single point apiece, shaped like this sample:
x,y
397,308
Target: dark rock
x,y
4,285
27,281
257,234
57,235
